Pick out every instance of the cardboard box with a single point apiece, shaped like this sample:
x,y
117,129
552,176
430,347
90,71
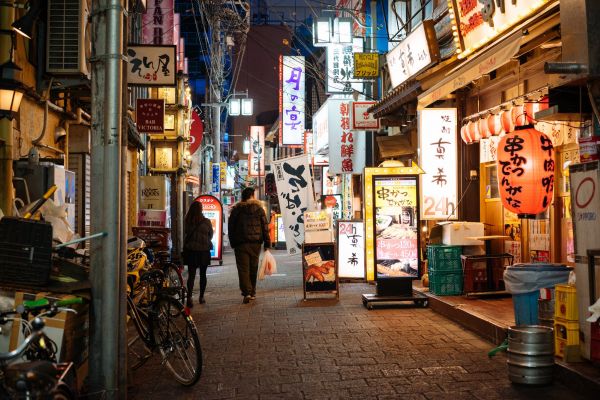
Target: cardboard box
x,y
154,193
456,233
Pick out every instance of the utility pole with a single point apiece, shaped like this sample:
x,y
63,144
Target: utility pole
x,y
216,80
107,260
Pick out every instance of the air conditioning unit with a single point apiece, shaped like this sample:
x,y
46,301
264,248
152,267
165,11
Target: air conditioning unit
x,y
68,38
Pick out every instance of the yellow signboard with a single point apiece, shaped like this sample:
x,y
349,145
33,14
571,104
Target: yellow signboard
x,y
223,173
366,65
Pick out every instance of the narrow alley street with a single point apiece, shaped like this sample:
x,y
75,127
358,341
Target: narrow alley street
x,y
280,347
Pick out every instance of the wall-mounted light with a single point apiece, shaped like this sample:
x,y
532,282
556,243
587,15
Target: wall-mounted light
x,y
10,98
234,107
247,106
24,25
246,146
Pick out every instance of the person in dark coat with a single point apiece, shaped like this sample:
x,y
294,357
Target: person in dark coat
x,y
198,233
248,229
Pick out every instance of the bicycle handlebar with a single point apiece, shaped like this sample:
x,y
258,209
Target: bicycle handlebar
x,y
36,334
41,304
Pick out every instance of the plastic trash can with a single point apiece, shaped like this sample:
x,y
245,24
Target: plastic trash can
x,y
524,282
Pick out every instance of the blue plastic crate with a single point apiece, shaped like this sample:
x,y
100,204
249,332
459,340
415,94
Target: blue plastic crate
x,y
526,308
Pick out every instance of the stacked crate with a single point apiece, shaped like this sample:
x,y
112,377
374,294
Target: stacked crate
x,y
566,319
445,270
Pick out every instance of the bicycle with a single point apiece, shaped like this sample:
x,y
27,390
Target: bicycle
x,y
140,257
164,325
40,377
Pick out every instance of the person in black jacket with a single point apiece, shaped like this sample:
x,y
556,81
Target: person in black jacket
x,y
248,228
198,233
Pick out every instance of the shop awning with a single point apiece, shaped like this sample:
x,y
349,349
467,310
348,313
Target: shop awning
x,y
398,96
472,69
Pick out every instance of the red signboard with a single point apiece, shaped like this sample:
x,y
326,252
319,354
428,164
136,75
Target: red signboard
x,y
196,132
213,210
150,115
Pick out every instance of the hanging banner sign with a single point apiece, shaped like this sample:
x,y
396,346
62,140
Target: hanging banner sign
x,y
295,192
150,115
351,249
366,65
415,53
438,157
320,140
158,22
291,100
347,148
361,118
196,131
216,178
256,159
151,65
213,210
340,68
480,22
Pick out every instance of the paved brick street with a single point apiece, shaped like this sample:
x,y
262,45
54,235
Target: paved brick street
x,y
280,347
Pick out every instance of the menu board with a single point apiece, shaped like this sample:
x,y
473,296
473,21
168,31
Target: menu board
x,y
319,268
351,249
213,210
396,227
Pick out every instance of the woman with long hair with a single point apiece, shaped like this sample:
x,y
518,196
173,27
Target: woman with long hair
x,y
197,244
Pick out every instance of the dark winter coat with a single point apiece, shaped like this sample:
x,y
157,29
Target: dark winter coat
x,y
198,236
248,224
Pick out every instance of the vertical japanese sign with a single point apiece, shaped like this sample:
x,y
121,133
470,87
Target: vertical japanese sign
x,y
213,210
340,68
295,192
351,249
223,173
158,22
437,142
150,115
396,228
256,159
291,100
151,65
347,148
216,178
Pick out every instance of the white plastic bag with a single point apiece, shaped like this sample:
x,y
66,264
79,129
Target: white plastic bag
x,y
267,265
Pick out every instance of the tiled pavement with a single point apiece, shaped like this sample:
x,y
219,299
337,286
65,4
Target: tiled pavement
x,y
280,347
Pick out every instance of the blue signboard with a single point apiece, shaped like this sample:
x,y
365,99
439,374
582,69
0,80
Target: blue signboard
x,y
216,178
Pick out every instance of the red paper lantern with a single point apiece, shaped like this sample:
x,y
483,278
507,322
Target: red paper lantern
x,y
473,128
495,124
507,122
484,131
526,171
464,134
518,116
530,109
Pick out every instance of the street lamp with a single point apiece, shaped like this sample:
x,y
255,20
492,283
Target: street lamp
x,y
328,31
247,106
322,31
234,107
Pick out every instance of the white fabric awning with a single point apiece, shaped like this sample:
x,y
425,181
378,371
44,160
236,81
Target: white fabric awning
x,y
472,69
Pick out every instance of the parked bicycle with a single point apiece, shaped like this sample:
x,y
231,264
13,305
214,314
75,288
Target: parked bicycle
x,y
31,371
141,258
164,326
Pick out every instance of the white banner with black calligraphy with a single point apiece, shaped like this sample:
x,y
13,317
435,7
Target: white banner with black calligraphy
x,y
291,96
295,192
439,160
340,68
151,65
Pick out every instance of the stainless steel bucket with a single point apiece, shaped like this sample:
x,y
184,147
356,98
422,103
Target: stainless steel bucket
x,y
530,354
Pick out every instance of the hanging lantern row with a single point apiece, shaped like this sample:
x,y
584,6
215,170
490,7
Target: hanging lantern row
x,y
499,124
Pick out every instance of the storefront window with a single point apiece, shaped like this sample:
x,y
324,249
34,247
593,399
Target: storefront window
x,y
491,182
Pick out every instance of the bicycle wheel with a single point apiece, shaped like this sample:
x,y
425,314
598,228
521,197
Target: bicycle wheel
x,y
173,279
177,341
